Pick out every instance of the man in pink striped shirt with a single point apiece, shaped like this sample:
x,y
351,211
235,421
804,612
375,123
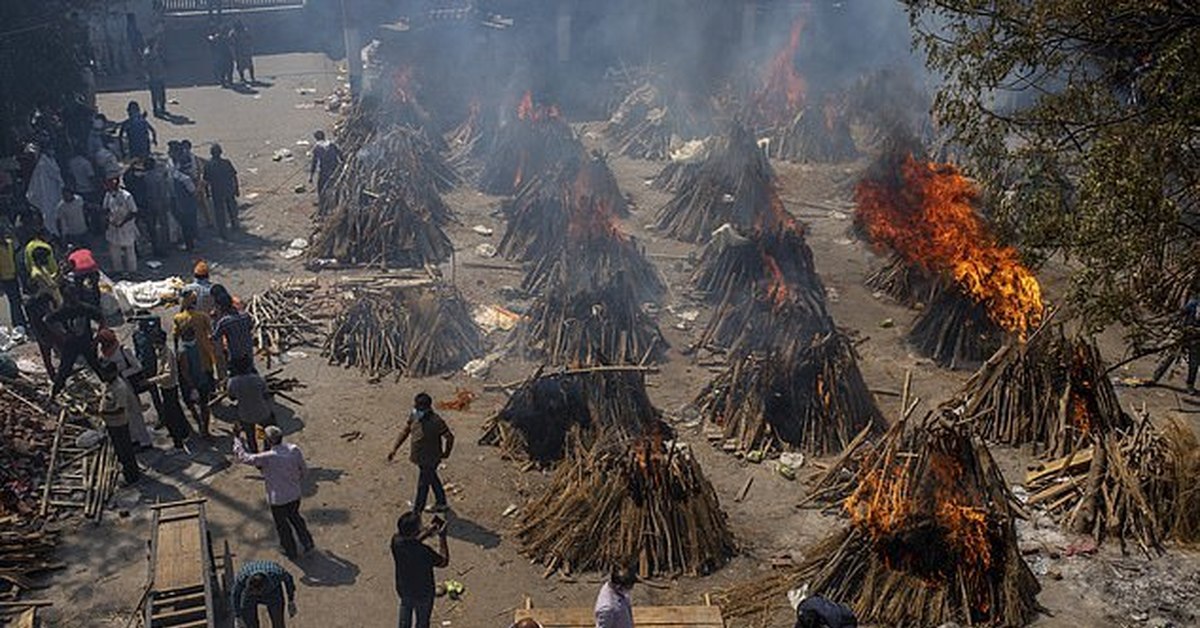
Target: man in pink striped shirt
x,y
283,469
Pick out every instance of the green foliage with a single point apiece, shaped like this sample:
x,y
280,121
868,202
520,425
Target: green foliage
x,y
1080,119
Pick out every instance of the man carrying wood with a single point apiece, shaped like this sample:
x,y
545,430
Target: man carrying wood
x,y
432,442
414,563
614,608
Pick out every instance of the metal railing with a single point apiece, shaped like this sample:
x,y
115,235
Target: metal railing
x,y
199,6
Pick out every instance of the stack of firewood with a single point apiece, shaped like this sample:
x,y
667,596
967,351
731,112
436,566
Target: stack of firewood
x,y
653,117
468,142
643,502
284,317
26,439
605,326
410,330
808,398
1051,391
906,283
526,147
931,538
816,133
735,184
540,414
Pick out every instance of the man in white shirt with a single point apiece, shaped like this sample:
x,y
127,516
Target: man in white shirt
x,y
71,222
283,470
122,229
614,609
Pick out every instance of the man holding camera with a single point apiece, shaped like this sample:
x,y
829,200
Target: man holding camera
x,y
414,567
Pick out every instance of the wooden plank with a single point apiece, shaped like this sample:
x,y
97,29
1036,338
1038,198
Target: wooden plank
x,y
182,502
1067,463
656,616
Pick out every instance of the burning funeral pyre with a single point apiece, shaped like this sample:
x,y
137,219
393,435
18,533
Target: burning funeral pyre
x,y
642,501
413,329
526,147
655,118
468,142
924,213
798,126
551,407
931,538
734,184
385,207
1051,391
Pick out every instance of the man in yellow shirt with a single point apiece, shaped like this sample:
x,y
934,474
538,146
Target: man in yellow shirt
x,y
190,316
8,277
45,297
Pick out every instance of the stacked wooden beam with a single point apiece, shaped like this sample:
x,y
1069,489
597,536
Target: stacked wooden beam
x,y
78,478
414,330
809,398
1135,486
542,412
607,326
284,318
653,118
907,284
816,133
954,330
931,538
642,502
526,147
468,142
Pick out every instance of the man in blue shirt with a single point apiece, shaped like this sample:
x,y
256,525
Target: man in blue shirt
x,y
137,133
263,582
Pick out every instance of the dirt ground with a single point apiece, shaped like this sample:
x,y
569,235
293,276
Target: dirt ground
x,y
354,495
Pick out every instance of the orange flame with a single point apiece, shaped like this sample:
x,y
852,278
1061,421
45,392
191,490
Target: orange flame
x,y
783,88
931,222
777,289
591,216
527,110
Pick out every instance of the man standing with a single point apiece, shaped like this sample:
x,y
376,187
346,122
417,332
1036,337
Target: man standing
x,y
233,333
78,340
72,223
614,609
325,160
201,286
155,77
243,50
223,188
122,229
249,391
267,583
8,277
114,412
414,563
432,442
137,133
43,295
153,214
283,470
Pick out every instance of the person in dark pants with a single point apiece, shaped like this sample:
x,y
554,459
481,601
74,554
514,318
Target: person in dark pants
x,y
265,583
283,470
817,612
223,188
152,59
432,442
115,414
248,390
9,279
325,161
166,380
414,563
137,133
76,318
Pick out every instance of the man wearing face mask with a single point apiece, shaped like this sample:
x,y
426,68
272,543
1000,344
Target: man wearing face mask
x,y
432,442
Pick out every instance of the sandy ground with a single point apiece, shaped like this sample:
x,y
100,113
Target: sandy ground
x,y
354,495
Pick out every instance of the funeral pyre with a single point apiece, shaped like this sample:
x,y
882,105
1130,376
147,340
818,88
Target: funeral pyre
x,y
525,147
799,126
656,117
924,213
642,501
413,328
931,538
550,406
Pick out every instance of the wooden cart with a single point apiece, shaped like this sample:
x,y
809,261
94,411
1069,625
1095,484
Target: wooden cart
x,y
184,590
707,616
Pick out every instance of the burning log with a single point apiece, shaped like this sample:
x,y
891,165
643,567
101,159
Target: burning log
x,y
924,213
641,501
605,326
284,318
1051,391
801,398
931,538
1132,485
538,417
735,184
527,147
413,331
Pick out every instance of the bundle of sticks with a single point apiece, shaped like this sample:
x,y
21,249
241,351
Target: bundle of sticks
x,y
735,184
412,331
374,117
1135,485
809,398
931,538
78,478
540,414
606,326
526,147
642,502
284,317
1052,391
26,554
653,118
385,207
954,330
908,284
26,440
468,141
816,133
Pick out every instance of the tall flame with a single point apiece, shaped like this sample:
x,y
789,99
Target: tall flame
x,y
529,111
783,88
930,221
